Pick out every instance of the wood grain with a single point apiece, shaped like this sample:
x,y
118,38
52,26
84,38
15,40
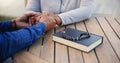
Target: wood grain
x,y
118,19
114,25
47,50
114,40
105,52
75,56
88,57
61,52
26,57
35,48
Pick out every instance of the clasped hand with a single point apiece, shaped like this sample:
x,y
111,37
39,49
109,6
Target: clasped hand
x,y
30,19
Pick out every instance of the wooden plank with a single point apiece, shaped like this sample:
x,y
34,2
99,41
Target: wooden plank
x,y
47,50
104,52
114,40
26,57
114,25
88,57
61,52
36,47
118,19
75,56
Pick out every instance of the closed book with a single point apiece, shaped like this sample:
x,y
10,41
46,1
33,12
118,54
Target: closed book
x,y
73,38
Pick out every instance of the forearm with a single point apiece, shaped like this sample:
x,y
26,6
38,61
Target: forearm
x,y
12,42
6,26
79,14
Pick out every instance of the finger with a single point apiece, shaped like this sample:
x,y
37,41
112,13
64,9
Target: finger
x,y
32,14
34,21
21,25
51,14
52,19
44,13
30,22
38,18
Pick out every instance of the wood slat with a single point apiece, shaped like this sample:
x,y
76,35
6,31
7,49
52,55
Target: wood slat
x,y
118,19
47,50
61,51
36,47
75,56
104,52
114,40
26,57
88,57
114,25
61,54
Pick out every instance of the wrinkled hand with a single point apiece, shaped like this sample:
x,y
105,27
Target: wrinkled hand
x,y
25,20
48,20
56,18
33,18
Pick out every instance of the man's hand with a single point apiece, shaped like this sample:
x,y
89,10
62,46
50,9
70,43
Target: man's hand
x,y
25,20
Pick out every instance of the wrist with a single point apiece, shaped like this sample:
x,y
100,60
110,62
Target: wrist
x,y
58,19
13,24
46,26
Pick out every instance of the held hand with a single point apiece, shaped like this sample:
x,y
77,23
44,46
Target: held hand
x,y
32,19
25,20
56,17
48,20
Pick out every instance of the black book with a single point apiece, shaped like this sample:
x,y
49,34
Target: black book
x,y
78,39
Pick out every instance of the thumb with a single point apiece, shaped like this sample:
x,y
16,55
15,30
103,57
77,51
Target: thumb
x,y
44,13
32,14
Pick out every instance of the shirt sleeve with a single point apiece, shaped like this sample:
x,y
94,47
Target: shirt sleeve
x,y
12,42
6,26
83,12
33,5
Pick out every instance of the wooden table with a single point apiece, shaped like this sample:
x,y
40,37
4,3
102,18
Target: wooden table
x,y
108,52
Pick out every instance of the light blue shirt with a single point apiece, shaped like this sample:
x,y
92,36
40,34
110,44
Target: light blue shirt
x,y
70,11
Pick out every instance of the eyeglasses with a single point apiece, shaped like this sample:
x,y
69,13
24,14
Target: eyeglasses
x,y
80,37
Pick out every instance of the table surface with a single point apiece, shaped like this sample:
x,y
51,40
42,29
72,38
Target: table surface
x,y
52,52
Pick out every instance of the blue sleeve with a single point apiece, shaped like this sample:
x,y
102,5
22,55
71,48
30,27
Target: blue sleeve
x,y
12,42
6,26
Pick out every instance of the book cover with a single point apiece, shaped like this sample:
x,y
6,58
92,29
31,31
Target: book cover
x,y
72,37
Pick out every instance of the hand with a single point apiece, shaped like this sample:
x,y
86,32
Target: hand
x,y
25,20
56,17
32,19
48,20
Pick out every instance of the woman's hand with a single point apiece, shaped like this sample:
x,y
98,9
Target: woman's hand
x,y
48,20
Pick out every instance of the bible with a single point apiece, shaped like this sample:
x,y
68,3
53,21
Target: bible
x,y
78,39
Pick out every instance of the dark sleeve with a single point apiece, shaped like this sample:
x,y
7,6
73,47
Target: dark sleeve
x,y
6,26
12,42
